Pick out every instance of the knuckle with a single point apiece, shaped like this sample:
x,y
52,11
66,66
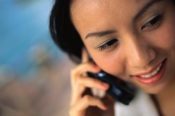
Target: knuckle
x,y
73,72
71,112
96,82
71,109
79,82
74,75
87,98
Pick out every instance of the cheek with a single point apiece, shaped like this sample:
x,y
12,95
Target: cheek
x,y
167,37
167,33
112,63
164,38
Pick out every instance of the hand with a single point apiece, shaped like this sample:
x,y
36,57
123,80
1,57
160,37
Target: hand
x,y
83,103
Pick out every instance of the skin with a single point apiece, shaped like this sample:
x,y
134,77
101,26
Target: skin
x,y
137,45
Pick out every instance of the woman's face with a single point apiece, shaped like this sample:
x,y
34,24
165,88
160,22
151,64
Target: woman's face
x,y
131,39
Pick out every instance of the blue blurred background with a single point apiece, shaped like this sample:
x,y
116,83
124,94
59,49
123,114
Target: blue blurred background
x,y
23,26
34,73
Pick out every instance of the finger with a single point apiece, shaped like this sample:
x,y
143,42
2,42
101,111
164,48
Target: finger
x,y
86,82
81,71
85,55
88,101
91,101
76,74
98,93
80,81
92,83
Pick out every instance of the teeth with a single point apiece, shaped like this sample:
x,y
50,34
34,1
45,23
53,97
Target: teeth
x,y
152,73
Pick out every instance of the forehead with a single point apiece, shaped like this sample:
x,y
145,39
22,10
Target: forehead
x,y
98,13
106,2
87,6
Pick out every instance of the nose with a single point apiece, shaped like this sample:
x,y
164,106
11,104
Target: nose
x,y
140,54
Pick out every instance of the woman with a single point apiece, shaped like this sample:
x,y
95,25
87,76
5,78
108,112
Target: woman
x,y
133,40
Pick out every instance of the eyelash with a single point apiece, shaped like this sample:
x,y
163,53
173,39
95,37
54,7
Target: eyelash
x,y
154,22
107,45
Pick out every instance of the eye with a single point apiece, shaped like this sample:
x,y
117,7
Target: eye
x,y
107,45
153,22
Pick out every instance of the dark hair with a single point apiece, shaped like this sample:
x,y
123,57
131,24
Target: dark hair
x,y
63,31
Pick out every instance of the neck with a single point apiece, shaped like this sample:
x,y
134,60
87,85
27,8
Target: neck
x,y
166,100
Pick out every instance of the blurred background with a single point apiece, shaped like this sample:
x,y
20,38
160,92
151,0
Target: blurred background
x,y
34,73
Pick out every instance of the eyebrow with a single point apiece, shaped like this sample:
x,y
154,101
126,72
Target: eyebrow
x,y
145,8
107,32
100,34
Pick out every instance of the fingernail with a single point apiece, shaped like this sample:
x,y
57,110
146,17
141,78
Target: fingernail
x,y
106,86
95,66
105,108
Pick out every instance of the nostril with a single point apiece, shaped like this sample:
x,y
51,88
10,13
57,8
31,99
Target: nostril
x,y
142,57
139,52
152,55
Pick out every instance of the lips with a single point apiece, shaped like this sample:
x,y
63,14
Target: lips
x,y
152,76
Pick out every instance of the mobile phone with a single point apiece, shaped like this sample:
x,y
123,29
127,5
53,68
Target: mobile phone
x,y
118,89
121,91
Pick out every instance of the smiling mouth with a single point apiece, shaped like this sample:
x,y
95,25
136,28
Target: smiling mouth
x,y
152,76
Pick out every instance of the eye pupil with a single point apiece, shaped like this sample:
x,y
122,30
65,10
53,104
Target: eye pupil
x,y
155,20
111,42
108,44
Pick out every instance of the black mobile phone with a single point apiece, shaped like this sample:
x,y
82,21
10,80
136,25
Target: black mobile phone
x,y
121,91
